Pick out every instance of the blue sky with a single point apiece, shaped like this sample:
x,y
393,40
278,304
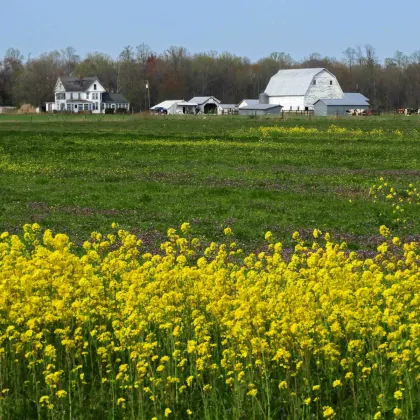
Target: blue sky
x,y
252,28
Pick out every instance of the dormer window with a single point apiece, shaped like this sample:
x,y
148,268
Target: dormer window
x,y
94,86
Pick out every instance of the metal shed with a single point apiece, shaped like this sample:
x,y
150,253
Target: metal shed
x,y
326,107
260,109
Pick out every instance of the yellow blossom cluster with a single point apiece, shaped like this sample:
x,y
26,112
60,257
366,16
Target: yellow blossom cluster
x,y
399,200
109,330
332,130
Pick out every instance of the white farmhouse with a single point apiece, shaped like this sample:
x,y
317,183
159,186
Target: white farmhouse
x,y
299,89
86,94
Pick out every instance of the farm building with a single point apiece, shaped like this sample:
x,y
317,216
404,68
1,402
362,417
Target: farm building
x,y
7,109
246,102
167,107
187,107
260,109
325,107
206,104
299,89
227,109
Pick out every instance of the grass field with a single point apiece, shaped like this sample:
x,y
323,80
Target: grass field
x,y
78,174
249,311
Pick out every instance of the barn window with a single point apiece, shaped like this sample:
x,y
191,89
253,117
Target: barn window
x,y
314,82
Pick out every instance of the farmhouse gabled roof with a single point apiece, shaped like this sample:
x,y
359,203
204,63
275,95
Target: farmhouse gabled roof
x,y
74,84
201,99
349,99
117,98
294,82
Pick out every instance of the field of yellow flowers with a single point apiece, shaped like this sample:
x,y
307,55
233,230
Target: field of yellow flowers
x,y
113,332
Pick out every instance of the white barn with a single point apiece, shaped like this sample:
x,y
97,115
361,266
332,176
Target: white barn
x,y
299,89
206,104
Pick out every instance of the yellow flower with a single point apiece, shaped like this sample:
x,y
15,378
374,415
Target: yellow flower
x,y
398,395
167,412
328,412
268,236
252,392
189,412
283,385
316,388
308,401
61,393
185,228
377,416
228,231
337,383
397,412
316,233
384,231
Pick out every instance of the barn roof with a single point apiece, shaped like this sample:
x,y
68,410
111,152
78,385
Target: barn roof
x,y
250,101
227,106
261,106
294,82
201,99
349,99
74,84
167,104
114,98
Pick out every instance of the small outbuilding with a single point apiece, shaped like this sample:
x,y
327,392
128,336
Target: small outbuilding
x,y
260,109
206,104
326,107
187,108
227,109
166,107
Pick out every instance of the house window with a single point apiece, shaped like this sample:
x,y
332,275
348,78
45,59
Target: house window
x,y
330,82
290,108
87,95
96,106
314,82
71,96
68,107
94,86
79,96
298,108
86,107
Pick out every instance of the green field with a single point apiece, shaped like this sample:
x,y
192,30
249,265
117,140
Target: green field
x,y
76,175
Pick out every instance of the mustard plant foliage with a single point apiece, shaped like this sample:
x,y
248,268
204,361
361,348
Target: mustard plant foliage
x,y
114,332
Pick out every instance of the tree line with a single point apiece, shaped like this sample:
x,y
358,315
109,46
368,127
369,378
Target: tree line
x,y
177,74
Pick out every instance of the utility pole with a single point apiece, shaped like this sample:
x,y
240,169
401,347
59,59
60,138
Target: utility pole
x,y
148,92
